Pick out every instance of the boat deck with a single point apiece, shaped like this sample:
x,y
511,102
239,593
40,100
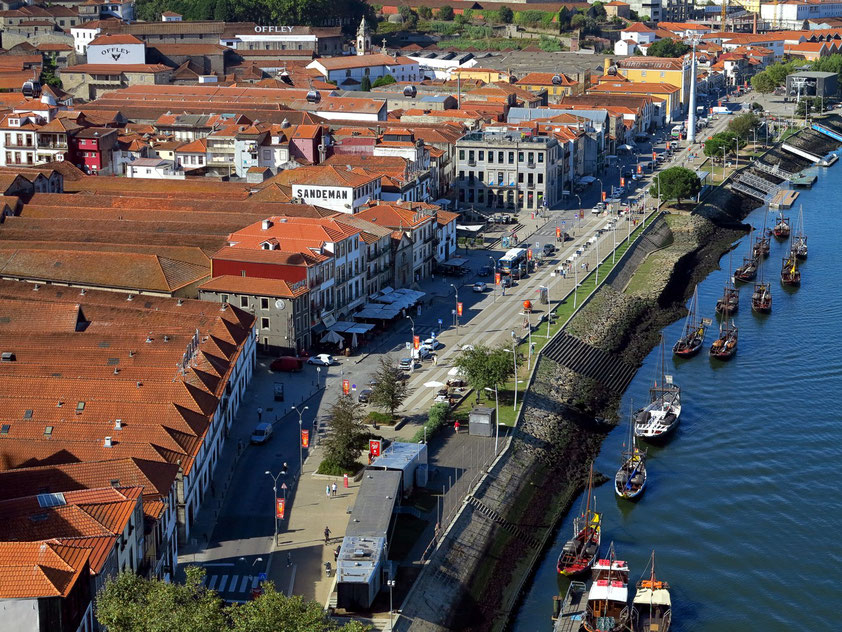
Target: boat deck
x,y
784,199
572,614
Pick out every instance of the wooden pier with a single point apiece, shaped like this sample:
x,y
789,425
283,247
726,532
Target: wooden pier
x,y
783,199
570,612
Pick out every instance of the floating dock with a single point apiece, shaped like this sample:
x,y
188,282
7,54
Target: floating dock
x,y
569,613
783,199
804,181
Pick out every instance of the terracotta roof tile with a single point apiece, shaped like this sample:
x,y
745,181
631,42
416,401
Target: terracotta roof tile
x,y
40,569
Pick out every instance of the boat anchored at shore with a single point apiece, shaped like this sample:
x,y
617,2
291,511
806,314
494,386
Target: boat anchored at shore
x,y
630,479
799,240
693,338
761,246
729,302
660,417
781,229
652,605
608,599
579,552
725,346
790,274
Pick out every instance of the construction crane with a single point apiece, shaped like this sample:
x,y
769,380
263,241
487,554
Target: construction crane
x,y
724,15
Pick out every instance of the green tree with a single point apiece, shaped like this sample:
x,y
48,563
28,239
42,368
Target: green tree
x,y
778,72
723,140
667,48
762,82
564,19
577,21
742,124
675,183
446,12
425,12
342,445
506,15
365,84
597,10
223,11
48,72
484,367
390,391
131,603
385,80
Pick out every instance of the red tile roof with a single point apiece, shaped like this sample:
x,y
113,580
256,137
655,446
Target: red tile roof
x,y
253,285
40,569
111,40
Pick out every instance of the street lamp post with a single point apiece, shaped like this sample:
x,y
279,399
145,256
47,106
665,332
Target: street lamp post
x,y
597,262
514,357
413,328
391,584
691,115
274,502
318,377
497,420
601,189
300,429
456,312
737,153
614,233
575,284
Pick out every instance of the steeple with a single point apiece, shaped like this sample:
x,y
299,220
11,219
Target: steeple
x,y
363,38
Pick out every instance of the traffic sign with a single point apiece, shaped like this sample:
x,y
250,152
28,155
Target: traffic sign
x,y
440,323
284,486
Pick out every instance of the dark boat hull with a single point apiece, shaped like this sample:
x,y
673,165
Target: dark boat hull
x,y
791,282
762,309
687,350
745,277
723,355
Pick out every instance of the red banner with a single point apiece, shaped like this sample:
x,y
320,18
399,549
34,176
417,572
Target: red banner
x,y
305,438
280,506
603,196
497,278
416,341
346,386
557,232
374,447
654,156
668,145
529,254
582,214
639,168
622,182
458,309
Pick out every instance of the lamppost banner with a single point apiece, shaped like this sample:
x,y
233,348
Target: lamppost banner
x,y
280,506
305,438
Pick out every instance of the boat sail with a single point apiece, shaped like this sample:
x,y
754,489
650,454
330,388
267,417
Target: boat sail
x,y
652,605
799,241
781,229
693,338
608,609
725,346
761,298
579,553
660,417
630,480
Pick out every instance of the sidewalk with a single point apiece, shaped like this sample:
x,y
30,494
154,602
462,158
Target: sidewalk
x,y
297,566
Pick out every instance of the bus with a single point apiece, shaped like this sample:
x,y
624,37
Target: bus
x,y
512,259
677,131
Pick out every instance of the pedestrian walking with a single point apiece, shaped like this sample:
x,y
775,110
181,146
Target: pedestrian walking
x,y
456,426
333,489
327,491
259,413
289,560
327,535
336,553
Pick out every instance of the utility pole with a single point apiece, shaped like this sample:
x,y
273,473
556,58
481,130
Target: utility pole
x,y
691,115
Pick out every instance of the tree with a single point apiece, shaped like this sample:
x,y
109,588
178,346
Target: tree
x,y
597,11
131,603
577,21
425,12
385,80
408,17
365,84
446,12
48,72
742,124
484,367
763,83
667,48
506,15
390,391
342,445
716,143
676,183
564,16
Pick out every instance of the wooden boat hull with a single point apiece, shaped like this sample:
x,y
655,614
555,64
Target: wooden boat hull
x,y
723,354
576,565
732,309
687,350
791,281
745,277
622,492
762,308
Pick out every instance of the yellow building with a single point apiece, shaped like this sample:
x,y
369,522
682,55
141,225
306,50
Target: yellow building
x,y
556,84
673,71
481,74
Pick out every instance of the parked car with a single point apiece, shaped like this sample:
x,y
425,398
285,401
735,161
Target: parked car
x,y
287,363
423,353
364,396
549,249
596,210
405,364
484,271
262,433
479,286
323,359
432,343
506,282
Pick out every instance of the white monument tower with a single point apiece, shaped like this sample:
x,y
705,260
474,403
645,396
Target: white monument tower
x,y
363,39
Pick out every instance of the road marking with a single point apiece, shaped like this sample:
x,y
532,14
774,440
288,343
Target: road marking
x,y
223,583
243,584
212,581
255,582
207,564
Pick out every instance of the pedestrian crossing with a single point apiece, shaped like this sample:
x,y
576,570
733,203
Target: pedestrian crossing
x,y
232,584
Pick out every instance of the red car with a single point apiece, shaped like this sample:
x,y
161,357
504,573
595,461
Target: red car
x,y
287,363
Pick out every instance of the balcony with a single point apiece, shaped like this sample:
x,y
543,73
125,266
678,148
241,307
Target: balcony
x,y
530,165
24,145
52,145
472,163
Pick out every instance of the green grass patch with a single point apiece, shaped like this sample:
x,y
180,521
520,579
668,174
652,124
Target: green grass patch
x,y
380,419
332,469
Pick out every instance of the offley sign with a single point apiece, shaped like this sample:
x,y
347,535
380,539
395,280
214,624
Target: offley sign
x,y
115,53
273,29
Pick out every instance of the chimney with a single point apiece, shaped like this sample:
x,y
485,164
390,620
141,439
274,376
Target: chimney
x,y
118,424
107,443
266,224
606,64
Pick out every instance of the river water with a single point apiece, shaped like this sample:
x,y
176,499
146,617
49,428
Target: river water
x,y
743,505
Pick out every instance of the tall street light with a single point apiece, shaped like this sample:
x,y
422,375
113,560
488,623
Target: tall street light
x,y
691,115
497,416
514,357
274,478
391,584
456,312
300,432
413,328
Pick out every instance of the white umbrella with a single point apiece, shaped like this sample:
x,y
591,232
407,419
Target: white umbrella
x,y
354,341
433,384
454,371
332,336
